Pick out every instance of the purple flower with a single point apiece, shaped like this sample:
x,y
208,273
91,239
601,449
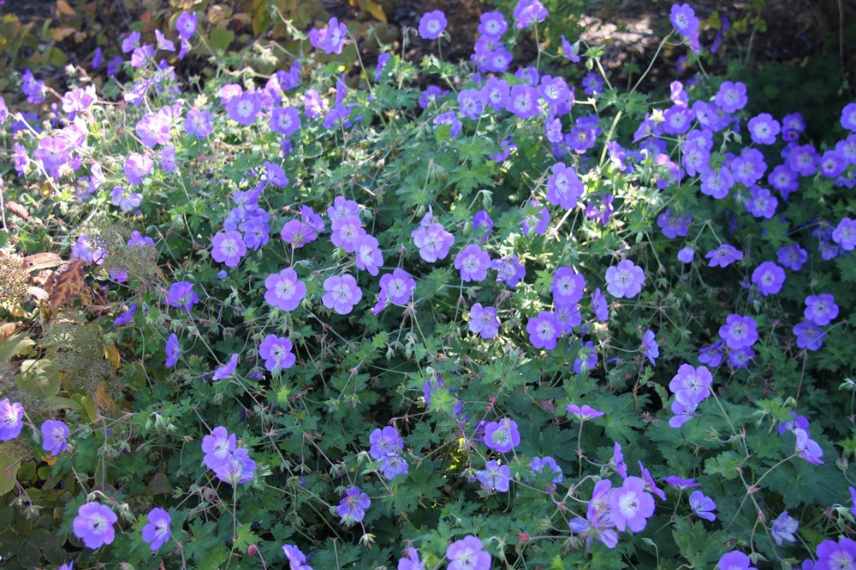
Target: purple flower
x,y
341,293
137,167
482,223
650,348
680,483
848,117
784,180
367,254
792,256
567,287
347,232
783,528
625,280
618,460
494,477
769,278
88,250
352,508
492,24
432,24
599,306
449,118
276,352
173,350
717,183
217,447
331,38
155,128
274,174
501,436
731,96
686,23
674,226
244,108
167,159
833,555
734,560
586,358
631,505
483,321
764,129
496,92
385,442
528,12
544,330
284,290
703,506
538,464
809,336
807,448
820,309
686,254
741,357
802,159
793,125
564,187
690,385
432,239
509,270
749,167
472,263
185,25
32,88
536,220
163,43
296,558
238,467
844,234
181,295
761,203
297,233
739,332
94,525
651,483
228,247
570,51
396,287
411,560
468,554
852,491
677,120
723,256
285,120
430,95
382,60
226,371
471,103
156,533
832,163
126,316
54,436
127,200
523,101
584,412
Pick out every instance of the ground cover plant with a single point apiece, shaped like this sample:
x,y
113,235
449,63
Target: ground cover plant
x,y
492,314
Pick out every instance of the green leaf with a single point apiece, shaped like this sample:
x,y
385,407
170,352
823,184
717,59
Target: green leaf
x,y
725,464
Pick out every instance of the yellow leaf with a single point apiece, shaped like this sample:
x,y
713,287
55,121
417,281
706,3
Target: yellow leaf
x,y
59,34
64,8
103,399
375,9
111,353
88,405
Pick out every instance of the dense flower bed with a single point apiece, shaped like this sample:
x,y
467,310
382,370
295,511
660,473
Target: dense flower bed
x,y
442,316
